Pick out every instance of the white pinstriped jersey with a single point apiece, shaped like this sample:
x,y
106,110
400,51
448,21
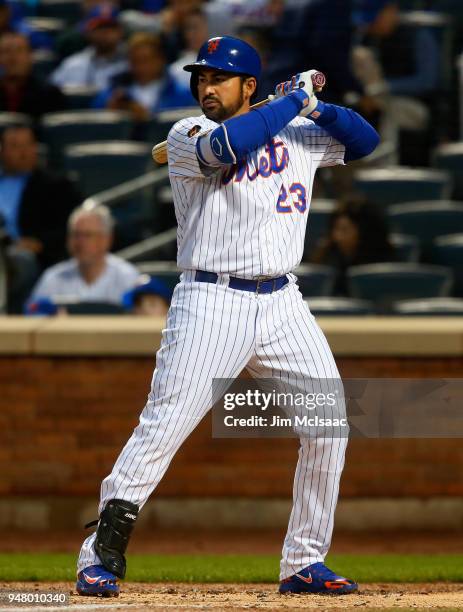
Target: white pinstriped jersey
x,y
247,219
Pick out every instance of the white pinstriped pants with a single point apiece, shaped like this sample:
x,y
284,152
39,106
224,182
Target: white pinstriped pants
x,y
214,332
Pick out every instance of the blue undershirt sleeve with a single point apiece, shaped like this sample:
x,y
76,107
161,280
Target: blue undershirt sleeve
x,y
348,127
237,137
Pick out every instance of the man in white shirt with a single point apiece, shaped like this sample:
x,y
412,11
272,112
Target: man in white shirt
x,y
93,274
103,59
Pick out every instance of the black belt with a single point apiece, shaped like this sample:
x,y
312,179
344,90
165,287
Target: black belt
x,y
264,285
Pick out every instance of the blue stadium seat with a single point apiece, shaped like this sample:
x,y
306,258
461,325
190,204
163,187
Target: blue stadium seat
x,y
43,62
10,119
406,248
68,10
58,130
315,279
317,224
449,157
156,129
430,307
339,306
426,221
385,283
47,25
102,165
399,184
79,97
448,251
92,308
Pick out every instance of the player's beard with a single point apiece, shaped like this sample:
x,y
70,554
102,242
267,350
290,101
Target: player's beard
x,y
221,112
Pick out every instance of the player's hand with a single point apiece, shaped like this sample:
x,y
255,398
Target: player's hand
x,y
306,81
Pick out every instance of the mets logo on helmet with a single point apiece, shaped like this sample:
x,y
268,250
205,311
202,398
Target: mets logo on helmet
x,y
213,45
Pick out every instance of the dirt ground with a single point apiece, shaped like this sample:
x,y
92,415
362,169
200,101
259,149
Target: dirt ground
x,y
257,596
444,596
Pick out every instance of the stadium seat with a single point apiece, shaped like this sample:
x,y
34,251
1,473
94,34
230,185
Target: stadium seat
x,y
92,308
47,25
317,224
315,279
448,251
9,119
337,306
453,8
385,283
59,130
68,10
430,307
80,96
166,271
102,165
441,25
406,248
426,221
449,157
3,279
155,130
399,184
43,62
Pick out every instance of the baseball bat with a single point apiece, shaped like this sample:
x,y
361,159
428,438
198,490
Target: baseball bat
x,y
159,151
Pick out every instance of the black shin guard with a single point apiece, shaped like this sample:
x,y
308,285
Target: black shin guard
x,y
112,535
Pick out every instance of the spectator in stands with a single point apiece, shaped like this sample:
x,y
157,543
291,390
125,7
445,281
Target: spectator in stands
x,y
103,59
73,39
20,90
150,297
35,204
171,22
317,33
195,32
93,274
148,87
357,235
399,65
259,39
408,57
18,273
11,20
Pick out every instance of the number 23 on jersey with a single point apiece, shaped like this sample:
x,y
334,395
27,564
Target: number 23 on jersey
x,y
286,200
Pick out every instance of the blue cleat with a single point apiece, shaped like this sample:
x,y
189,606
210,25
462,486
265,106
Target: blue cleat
x,y
96,581
318,579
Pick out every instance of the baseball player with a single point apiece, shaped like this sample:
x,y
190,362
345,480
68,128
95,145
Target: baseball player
x,y
242,184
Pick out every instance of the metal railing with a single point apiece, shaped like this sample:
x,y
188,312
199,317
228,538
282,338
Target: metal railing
x,y
145,248
140,251
112,196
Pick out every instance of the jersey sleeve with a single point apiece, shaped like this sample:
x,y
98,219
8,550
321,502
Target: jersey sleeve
x,y
326,150
181,147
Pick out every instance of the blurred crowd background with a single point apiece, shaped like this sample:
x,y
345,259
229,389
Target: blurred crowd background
x,y
87,224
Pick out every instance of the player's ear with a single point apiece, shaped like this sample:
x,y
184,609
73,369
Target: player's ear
x,y
249,87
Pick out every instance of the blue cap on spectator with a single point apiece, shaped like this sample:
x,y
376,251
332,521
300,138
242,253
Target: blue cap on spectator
x,y
147,285
102,14
366,11
41,306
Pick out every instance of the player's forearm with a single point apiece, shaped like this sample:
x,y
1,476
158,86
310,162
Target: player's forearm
x,y
349,128
237,137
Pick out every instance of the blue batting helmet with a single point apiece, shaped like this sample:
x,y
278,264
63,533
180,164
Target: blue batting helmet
x,y
225,53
